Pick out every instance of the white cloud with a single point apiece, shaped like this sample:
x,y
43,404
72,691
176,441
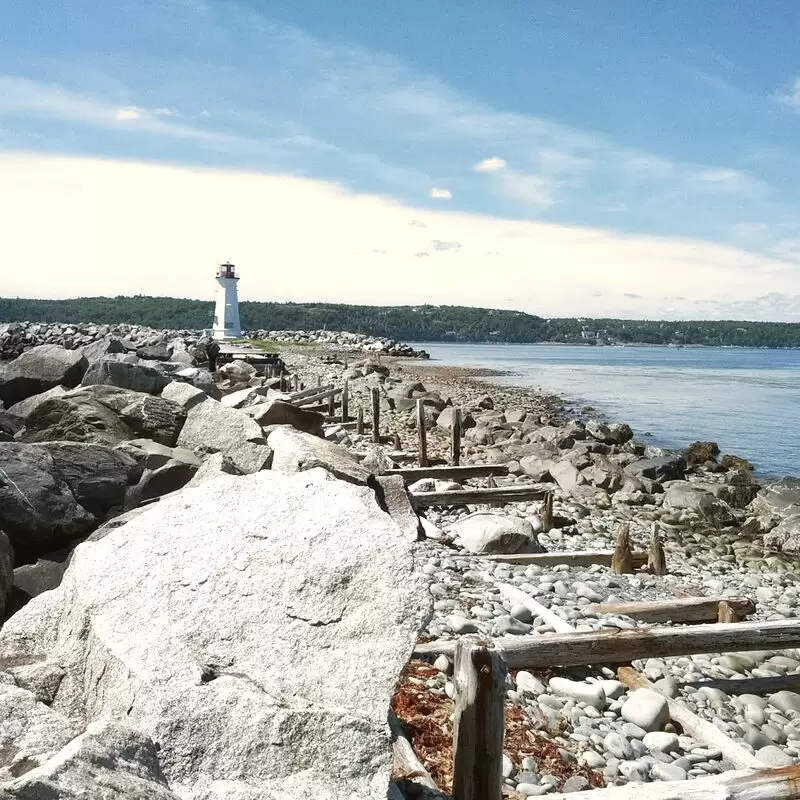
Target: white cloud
x,y
790,97
441,194
188,220
493,164
131,112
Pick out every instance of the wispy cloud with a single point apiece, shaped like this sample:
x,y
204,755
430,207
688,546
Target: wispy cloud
x,y
440,194
789,97
493,164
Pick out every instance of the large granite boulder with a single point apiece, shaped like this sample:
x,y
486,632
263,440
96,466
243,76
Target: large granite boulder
x,y
296,451
658,468
253,626
616,433
38,370
126,375
37,509
97,476
98,350
76,418
485,533
154,418
184,394
692,497
109,761
278,412
44,574
27,406
212,428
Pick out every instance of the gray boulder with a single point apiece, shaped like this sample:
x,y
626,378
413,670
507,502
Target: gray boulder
x,y
245,398
43,575
485,533
26,407
154,418
40,369
566,475
125,375
447,417
77,418
785,536
688,496
296,451
97,476
278,412
152,455
658,468
6,571
37,509
254,626
536,467
616,433
212,428
184,394
102,348
110,761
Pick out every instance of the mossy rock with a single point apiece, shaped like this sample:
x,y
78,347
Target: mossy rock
x,y
737,463
701,452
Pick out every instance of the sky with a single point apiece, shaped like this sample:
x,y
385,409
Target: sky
x,y
630,158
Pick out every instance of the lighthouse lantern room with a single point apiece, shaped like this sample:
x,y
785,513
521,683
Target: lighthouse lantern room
x,y
226,309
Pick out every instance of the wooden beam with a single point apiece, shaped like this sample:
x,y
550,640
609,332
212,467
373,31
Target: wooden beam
x,y
414,474
422,435
624,646
317,397
406,762
462,497
699,729
573,558
751,685
346,402
479,677
376,414
684,609
761,784
455,439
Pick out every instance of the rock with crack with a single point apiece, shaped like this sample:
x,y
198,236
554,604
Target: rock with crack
x,y
296,451
109,761
40,369
210,427
254,626
279,412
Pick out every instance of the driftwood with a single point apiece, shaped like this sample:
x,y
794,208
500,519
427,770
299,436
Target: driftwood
x,y
547,513
576,558
316,397
413,474
751,685
462,497
761,784
694,726
407,767
727,612
656,559
624,646
550,617
685,609
479,677
622,562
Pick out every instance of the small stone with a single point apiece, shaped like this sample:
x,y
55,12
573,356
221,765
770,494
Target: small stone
x,y
668,772
618,746
589,693
529,684
660,742
575,783
592,759
773,756
522,613
647,709
442,663
508,766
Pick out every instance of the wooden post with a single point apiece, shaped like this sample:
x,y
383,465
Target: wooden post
x,y
656,560
422,435
397,445
376,415
622,563
547,513
455,442
319,380
727,613
332,405
297,381
360,421
346,401
479,677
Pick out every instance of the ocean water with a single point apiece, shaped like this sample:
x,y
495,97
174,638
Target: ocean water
x,y
746,400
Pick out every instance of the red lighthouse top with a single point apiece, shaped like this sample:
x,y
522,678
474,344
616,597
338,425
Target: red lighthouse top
x,y
226,270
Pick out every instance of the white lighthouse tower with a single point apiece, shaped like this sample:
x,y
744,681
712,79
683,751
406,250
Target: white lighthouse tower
x,y
226,308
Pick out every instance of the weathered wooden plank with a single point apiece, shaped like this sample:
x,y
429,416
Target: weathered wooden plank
x,y
346,402
574,558
683,609
694,726
376,414
360,421
762,784
461,497
479,677
455,439
733,686
624,646
422,435
413,474
312,399
547,513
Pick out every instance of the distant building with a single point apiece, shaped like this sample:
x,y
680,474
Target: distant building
x,y
226,308
594,335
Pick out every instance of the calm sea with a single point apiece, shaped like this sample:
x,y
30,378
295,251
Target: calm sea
x,y
748,401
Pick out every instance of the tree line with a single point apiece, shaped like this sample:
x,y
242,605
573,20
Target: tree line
x,y
406,323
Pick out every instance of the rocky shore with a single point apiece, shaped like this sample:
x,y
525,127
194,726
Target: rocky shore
x,y
236,619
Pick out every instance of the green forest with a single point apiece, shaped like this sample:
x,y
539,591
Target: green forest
x,y
406,323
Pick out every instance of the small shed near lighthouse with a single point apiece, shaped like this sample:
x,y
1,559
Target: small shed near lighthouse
x,y
226,307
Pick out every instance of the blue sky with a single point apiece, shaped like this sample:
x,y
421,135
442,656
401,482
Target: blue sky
x,y
661,127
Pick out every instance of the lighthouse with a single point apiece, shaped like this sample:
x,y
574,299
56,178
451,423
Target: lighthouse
x,y
226,309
